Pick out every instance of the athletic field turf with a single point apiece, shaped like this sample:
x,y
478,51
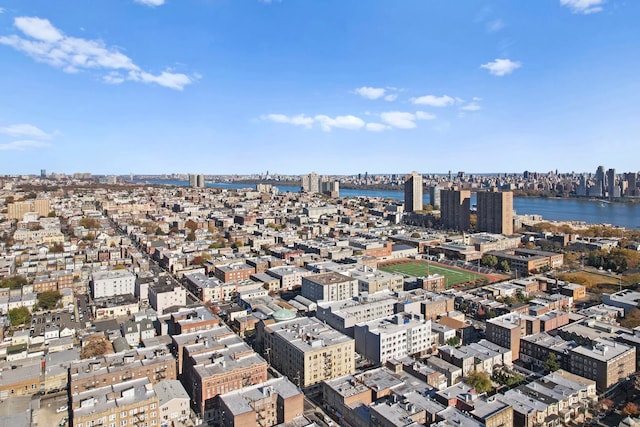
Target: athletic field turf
x,y
453,276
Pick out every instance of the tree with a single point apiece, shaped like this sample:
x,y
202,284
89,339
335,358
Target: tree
x,y
479,380
631,319
57,248
191,225
159,232
630,409
489,261
453,341
191,236
19,316
48,300
552,363
95,345
52,214
90,223
415,235
504,266
15,282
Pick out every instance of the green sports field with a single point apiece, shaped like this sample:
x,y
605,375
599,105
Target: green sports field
x,y
453,276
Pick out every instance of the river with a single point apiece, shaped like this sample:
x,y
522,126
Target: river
x,y
592,212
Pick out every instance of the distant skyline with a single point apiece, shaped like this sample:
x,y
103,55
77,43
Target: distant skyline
x,y
335,86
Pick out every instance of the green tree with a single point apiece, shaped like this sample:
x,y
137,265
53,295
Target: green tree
x,y
48,300
489,261
415,235
191,236
15,282
52,214
159,232
504,266
479,380
552,363
90,223
453,341
19,316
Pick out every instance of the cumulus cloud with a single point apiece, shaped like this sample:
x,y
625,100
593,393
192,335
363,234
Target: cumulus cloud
x,y
584,7
376,127
386,93
501,67
45,43
403,119
299,120
150,3
474,105
23,145
24,130
341,122
434,101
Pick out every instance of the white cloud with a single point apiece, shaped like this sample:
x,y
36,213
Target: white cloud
x,y
40,29
472,106
495,25
386,93
49,45
421,115
404,120
326,123
1,10
584,7
150,3
376,127
23,145
370,92
501,67
24,130
341,122
434,101
299,120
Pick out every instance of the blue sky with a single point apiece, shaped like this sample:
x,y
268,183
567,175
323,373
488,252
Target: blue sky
x,y
335,86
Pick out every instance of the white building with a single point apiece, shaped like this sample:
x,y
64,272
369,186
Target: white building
x,y
330,286
164,296
173,402
111,283
394,337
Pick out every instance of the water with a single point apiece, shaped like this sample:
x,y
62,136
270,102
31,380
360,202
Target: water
x,y
592,212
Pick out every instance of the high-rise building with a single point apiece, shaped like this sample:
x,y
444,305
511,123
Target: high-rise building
x,y
196,181
313,183
600,187
612,189
495,212
43,173
632,183
455,209
434,196
413,192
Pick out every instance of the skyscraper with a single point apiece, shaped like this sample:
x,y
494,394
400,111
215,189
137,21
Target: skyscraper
x,y
413,192
196,181
600,188
434,196
612,189
455,209
495,212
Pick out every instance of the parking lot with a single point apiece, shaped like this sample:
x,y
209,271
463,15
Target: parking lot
x,y
48,414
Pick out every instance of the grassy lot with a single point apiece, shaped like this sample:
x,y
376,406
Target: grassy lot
x,y
423,268
594,282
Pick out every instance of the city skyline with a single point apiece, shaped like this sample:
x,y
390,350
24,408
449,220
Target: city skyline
x,y
221,87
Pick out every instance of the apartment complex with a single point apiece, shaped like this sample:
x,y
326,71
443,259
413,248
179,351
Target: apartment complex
x,y
495,212
307,351
413,192
273,402
127,403
330,286
393,337
111,283
455,209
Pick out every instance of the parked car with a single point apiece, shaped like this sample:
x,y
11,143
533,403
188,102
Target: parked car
x,y
63,408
